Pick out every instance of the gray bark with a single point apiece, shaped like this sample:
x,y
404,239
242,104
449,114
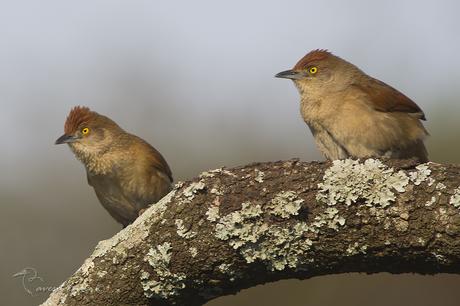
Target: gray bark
x,y
230,229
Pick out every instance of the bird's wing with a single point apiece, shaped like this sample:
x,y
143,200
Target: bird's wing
x,y
159,163
385,98
153,177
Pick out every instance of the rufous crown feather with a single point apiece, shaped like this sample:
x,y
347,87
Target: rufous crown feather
x,y
78,116
312,56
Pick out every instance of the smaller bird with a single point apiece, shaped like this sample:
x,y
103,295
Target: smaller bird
x,y
126,172
353,115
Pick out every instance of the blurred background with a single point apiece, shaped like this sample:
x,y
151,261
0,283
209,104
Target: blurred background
x,y
195,79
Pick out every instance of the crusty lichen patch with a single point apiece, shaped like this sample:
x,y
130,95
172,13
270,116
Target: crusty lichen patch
x,y
455,198
212,173
355,248
347,181
242,225
431,201
225,268
166,284
193,189
440,186
279,246
285,204
124,240
421,175
193,251
83,287
182,231
212,214
260,176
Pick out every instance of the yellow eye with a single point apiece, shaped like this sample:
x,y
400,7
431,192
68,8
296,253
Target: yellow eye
x,y
313,70
85,131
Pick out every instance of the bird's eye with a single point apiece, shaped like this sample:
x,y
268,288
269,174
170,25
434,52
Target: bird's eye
x,y
313,70
85,131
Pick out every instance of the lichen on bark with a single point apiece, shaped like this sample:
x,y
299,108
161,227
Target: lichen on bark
x,y
230,229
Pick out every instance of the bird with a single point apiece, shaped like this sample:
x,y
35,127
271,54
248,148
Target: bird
x,y
353,115
126,172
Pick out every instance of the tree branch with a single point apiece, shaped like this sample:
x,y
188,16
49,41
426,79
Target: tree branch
x,y
231,229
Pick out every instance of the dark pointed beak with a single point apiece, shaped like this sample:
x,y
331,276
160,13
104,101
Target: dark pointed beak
x,y
290,74
65,139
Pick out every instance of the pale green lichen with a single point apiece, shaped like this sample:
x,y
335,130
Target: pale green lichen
x,y
224,268
126,239
285,204
440,186
193,189
404,215
212,213
260,176
278,246
159,257
132,235
193,251
377,212
348,181
421,175
80,288
148,285
119,257
183,232
83,287
401,225
168,284
330,217
212,173
421,241
242,225
431,201
179,184
216,191
455,198
355,248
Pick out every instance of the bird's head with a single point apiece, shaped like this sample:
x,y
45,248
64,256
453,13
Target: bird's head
x,y
88,132
320,71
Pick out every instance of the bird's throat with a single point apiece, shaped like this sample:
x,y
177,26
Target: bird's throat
x,y
95,161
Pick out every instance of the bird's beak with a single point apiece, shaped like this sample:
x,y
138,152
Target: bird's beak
x,y
290,74
66,139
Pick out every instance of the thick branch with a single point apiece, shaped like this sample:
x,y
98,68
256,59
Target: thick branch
x,y
231,229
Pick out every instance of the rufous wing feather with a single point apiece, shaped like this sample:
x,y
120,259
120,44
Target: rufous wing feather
x,y
385,98
160,163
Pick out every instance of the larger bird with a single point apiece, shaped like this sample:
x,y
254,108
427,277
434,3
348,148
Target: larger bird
x,y
126,172
351,114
